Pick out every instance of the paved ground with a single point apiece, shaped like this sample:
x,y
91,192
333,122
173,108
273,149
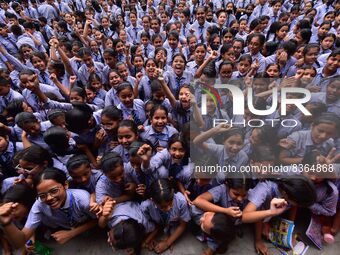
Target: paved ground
x,y
96,244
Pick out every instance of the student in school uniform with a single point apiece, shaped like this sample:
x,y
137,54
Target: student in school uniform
x,y
200,26
127,223
56,208
318,137
7,94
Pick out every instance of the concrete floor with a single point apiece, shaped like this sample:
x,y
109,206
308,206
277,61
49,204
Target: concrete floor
x,y
95,243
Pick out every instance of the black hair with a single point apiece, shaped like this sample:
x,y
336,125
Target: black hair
x,y
80,91
261,37
309,47
328,118
246,57
112,112
20,193
270,47
223,230
77,119
84,52
262,153
158,107
177,138
122,86
239,181
35,154
50,173
76,161
162,191
56,138
5,82
109,161
128,234
130,124
24,118
298,188
233,131
54,113
289,47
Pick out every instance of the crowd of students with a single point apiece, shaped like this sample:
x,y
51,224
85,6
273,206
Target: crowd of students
x,y
101,120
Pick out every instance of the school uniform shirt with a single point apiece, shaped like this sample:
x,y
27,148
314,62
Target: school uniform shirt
x,y
148,50
39,138
181,115
5,100
192,67
91,185
175,82
262,61
322,98
239,160
327,196
221,197
9,43
304,144
200,31
283,131
262,194
179,211
111,98
321,81
158,139
25,39
84,75
123,153
321,12
144,88
47,11
136,113
284,70
259,11
105,187
75,211
130,210
133,33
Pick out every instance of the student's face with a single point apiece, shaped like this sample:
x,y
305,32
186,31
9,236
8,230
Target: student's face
x,y
88,61
126,136
226,72
116,175
109,45
322,132
322,31
183,19
200,54
173,42
155,25
109,60
20,212
81,175
333,91
133,19
38,63
254,138
311,56
157,42
52,193
237,46
184,97
327,43
74,98
126,97
211,107
159,120
254,45
178,65
96,84
94,46
158,96
237,194
233,145
26,107
136,162
273,71
114,79
123,71
144,40
105,23
222,18
192,43
138,62
32,128
109,124
333,63
228,38
282,33
90,95
3,31
146,23
299,53
177,151
206,222
60,121
277,7
3,143
165,206
200,16
4,89
243,66
120,47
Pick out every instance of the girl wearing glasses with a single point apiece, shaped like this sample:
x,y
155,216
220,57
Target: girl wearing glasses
x,y
56,208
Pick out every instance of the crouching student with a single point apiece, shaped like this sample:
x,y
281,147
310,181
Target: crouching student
x,y
83,177
116,183
168,211
271,198
127,225
24,196
56,208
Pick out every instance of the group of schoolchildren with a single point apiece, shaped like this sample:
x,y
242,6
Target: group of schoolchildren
x,y
101,121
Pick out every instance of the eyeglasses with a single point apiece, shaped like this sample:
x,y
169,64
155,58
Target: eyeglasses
x,y
42,197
